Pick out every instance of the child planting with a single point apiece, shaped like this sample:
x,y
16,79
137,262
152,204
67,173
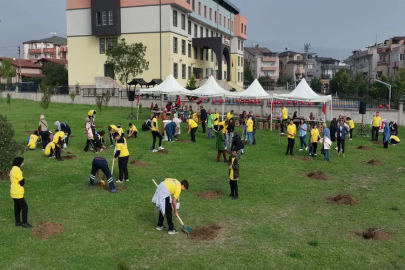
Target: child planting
x,y
233,163
33,140
132,131
122,154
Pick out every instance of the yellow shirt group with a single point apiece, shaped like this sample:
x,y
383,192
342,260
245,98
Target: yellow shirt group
x,y
284,112
48,148
16,190
249,125
122,147
314,135
291,129
231,172
32,143
154,124
173,186
351,124
60,135
216,116
192,123
376,121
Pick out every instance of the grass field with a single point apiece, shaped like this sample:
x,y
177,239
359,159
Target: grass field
x,y
281,221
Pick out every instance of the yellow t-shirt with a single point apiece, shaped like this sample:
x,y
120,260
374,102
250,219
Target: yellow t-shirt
x,y
351,124
133,128
393,137
285,113
32,142
192,123
48,148
376,121
229,116
291,129
173,186
249,125
16,190
91,113
113,129
314,135
120,131
223,124
60,135
122,147
231,173
216,116
195,117
154,122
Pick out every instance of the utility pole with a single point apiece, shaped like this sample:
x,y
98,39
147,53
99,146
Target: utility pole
x,y
19,65
307,46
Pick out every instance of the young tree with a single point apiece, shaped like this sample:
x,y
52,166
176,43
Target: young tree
x,y
106,98
7,70
191,83
340,82
127,60
55,74
46,96
99,102
248,74
316,84
284,79
9,101
358,85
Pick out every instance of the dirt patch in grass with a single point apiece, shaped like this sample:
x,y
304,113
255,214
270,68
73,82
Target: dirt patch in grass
x,y
319,175
185,141
69,157
379,142
304,158
106,187
374,234
163,152
99,126
130,138
375,162
28,132
343,199
245,142
208,195
205,233
139,163
365,148
47,229
4,176
72,136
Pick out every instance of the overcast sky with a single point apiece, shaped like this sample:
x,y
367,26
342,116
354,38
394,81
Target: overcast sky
x,y
333,27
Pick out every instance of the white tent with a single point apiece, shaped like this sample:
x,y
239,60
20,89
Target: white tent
x,y
255,90
169,87
210,89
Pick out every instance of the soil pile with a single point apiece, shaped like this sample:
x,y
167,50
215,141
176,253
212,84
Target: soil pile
x,y
343,199
365,148
376,234
379,142
205,233
163,152
69,157
47,229
28,132
139,163
319,175
72,136
99,126
208,195
375,162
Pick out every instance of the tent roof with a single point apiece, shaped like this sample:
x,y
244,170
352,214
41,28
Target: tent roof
x,y
255,90
305,93
169,86
210,89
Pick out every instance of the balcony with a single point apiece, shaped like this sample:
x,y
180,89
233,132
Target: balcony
x,y
269,68
383,63
297,71
269,59
63,49
48,50
384,49
35,51
325,76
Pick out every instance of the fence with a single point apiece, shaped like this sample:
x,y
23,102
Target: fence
x,y
355,103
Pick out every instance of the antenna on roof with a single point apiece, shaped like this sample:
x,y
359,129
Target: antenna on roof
x,y
286,48
53,34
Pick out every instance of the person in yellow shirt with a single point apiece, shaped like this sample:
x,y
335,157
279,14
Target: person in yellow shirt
x,y
122,154
33,140
120,130
50,150
112,129
192,127
249,129
156,134
163,202
291,132
351,126
216,120
58,141
195,117
284,117
314,140
92,116
376,122
233,163
17,193
394,140
132,131
229,115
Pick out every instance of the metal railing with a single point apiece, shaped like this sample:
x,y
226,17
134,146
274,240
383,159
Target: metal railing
x,y
93,92
352,103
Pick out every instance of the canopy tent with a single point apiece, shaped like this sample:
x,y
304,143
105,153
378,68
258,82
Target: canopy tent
x,y
210,89
302,92
169,87
255,90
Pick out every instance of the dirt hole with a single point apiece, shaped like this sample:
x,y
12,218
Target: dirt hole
x,y
365,148
205,233
139,163
208,195
72,136
164,152
245,142
374,234
320,175
304,158
69,157
28,132
185,141
379,142
47,229
375,162
106,187
99,126
343,199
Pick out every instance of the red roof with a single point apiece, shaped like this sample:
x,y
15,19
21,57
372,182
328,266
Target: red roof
x,y
24,63
61,62
29,75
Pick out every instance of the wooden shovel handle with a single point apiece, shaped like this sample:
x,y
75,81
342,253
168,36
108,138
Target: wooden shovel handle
x,y
154,182
181,221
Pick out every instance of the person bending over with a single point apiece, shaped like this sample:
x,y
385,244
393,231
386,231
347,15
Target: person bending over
x,y
58,141
100,163
170,130
112,129
92,116
192,128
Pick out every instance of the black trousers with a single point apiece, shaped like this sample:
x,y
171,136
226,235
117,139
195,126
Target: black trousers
x,y
154,135
193,131
234,187
314,146
282,125
351,133
123,167
203,126
93,145
135,134
216,127
100,163
168,214
44,138
20,205
341,144
374,133
386,144
290,146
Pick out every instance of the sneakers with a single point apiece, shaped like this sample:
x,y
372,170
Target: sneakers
x,y
114,191
174,231
160,228
26,225
154,150
161,148
52,157
350,139
336,148
282,133
18,224
235,198
101,150
43,149
119,181
64,145
126,180
91,187
301,149
306,148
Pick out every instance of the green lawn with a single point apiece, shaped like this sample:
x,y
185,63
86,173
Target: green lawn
x,y
279,212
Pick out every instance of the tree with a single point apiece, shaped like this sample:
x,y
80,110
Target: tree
x,y
316,84
284,79
99,102
7,70
340,82
55,74
358,85
379,90
106,98
248,74
46,96
127,60
398,86
9,101
191,83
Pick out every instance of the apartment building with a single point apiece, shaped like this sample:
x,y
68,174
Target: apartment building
x,y
391,56
53,48
365,61
262,61
292,64
183,37
24,69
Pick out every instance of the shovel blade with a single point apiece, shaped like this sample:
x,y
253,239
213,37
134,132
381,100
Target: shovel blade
x,y
187,229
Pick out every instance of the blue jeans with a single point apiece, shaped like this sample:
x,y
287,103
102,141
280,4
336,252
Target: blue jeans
x,y
302,141
326,154
254,136
169,134
310,149
249,137
244,135
228,141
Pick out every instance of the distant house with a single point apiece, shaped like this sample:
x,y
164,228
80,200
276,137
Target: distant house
x,y
262,61
29,69
42,61
53,48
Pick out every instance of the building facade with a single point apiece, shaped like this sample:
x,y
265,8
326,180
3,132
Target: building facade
x,y
52,48
262,61
183,37
292,64
391,56
365,61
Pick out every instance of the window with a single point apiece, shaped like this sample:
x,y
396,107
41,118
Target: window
x,y
109,45
225,75
193,4
241,29
238,44
36,56
102,45
175,45
211,14
232,25
217,34
206,55
212,33
175,71
238,61
206,32
224,21
189,28
175,18
195,30
205,12
195,53
189,50
238,76
110,18
241,61
199,8
98,18
104,17
241,45
216,17
51,55
183,71
183,47
189,72
115,42
183,21
245,30
188,1
201,31
220,19
212,56
201,53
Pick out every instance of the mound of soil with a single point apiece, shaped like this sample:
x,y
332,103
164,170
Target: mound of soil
x,y
204,233
375,234
47,229
99,126
379,142
69,157
130,138
342,199
375,162
365,148
139,163
208,195
185,141
164,152
4,175
106,187
319,175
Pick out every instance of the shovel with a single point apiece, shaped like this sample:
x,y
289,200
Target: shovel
x,y
185,229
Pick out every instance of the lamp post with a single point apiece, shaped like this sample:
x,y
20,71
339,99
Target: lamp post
x,y
306,50
389,89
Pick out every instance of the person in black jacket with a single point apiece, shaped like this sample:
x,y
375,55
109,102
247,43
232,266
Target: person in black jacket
x,y
203,118
237,143
230,129
333,129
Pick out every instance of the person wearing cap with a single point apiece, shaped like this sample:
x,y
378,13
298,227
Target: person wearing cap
x,y
92,116
122,153
17,193
100,163
132,131
165,204
376,123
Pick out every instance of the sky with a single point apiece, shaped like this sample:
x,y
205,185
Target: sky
x,y
334,28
